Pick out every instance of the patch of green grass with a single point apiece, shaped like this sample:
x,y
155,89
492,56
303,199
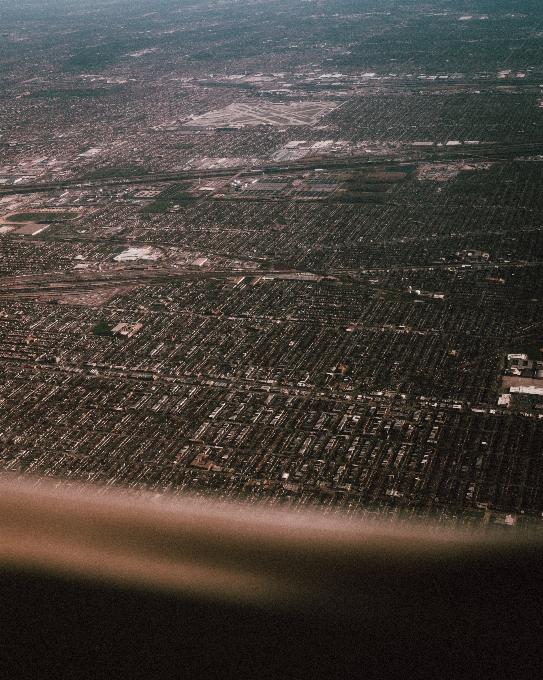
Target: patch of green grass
x,y
92,59
182,196
174,194
41,217
407,169
102,328
478,182
115,172
202,56
158,206
372,188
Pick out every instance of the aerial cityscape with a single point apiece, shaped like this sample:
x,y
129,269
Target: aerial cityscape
x,y
289,253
